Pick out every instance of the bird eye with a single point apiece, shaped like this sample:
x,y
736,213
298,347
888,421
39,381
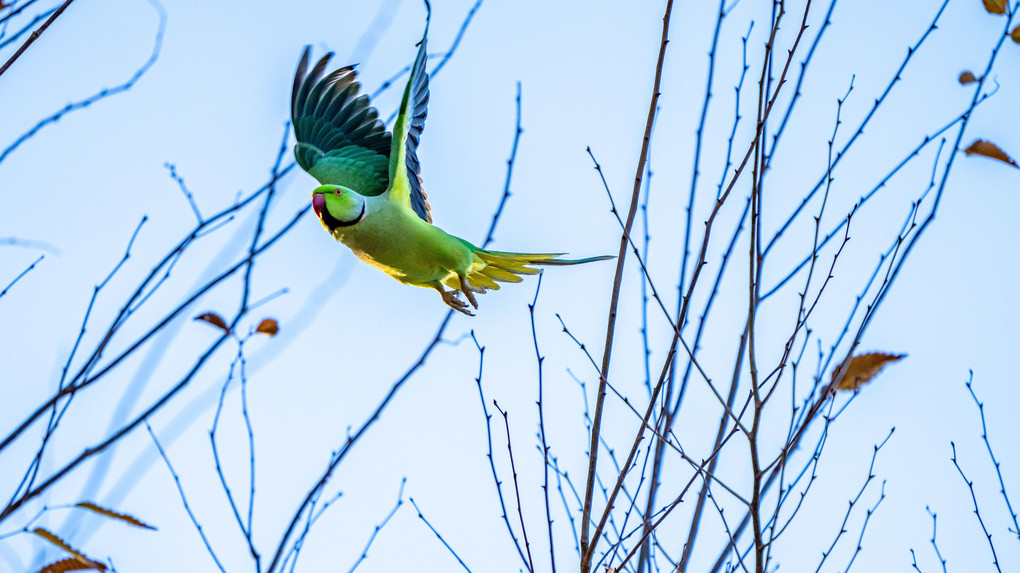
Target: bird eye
x,y
338,192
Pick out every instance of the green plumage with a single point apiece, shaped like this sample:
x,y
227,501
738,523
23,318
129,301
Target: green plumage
x,y
371,198
359,168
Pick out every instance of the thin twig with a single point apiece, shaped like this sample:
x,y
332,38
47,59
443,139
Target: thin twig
x,y
184,498
509,171
440,537
991,454
560,476
251,452
21,274
977,511
456,40
236,366
541,429
382,524
517,490
184,189
934,531
853,502
442,63
314,513
726,529
695,172
864,527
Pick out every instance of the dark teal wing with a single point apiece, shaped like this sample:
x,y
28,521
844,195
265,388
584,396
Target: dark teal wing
x,y
340,138
407,134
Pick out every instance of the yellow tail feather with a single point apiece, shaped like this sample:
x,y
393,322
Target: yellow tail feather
x,y
506,267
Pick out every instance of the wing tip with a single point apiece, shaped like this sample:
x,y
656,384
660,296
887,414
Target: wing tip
x,y
299,76
302,77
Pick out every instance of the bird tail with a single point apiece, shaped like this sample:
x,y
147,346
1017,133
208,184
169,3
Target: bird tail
x,y
508,267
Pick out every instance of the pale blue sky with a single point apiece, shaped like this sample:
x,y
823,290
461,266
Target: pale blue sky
x,y
215,103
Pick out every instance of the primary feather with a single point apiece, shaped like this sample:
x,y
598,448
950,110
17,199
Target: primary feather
x,y
371,197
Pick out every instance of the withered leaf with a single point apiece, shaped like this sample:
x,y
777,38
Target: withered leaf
x,y
77,555
215,320
113,514
990,150
863,368
69,564
995,6
268,327
967,78
1015,35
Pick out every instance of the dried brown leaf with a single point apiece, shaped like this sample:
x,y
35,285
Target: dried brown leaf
x,y
268,327
995,6
967,78
215,320
78,556
69,564
1015,35
863,368
113,514
990,150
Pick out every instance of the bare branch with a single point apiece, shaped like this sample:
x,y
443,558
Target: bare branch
x,y
977,510
440,537
35,36
184,498
382,524
991,454
588,551
517,490
101,94
541,428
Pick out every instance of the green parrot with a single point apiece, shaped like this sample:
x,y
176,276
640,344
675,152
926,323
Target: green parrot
x,y
371,196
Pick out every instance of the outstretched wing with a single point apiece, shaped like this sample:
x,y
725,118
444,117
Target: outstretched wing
x,y
405,179
340,138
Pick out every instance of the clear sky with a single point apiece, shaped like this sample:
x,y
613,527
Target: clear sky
x,y
214,104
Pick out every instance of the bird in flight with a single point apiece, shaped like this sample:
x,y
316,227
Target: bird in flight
x,y
371,196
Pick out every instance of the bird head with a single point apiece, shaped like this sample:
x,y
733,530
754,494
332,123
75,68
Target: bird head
x,y
337,206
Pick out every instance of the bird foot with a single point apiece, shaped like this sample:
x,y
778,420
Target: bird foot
x,y
451,300
469,291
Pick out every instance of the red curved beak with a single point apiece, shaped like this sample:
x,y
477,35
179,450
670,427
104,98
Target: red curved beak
x,y
318,204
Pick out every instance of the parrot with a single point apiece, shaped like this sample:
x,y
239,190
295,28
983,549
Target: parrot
x,y
370,196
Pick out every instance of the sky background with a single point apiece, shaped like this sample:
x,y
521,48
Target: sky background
x,y
215,104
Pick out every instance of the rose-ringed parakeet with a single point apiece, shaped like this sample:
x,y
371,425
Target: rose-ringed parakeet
x,y
371,196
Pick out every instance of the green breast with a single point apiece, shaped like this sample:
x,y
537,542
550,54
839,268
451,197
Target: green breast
x,y
402,245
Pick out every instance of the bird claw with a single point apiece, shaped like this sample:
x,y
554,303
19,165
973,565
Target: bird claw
x,y
451,300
